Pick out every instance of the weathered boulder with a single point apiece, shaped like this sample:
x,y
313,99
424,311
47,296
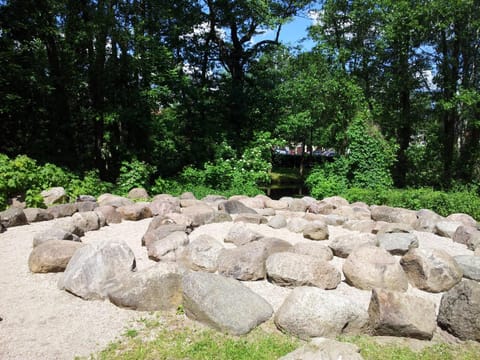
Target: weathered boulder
x,y
84,206
395,313
276,204
214,199
162,207
397,243
470,266
62,210
223,303
459,312
431,270
343,245
55,195
320,207
240,234
235,207
251,219
52,256
393,215
446,228
371,267
325,349
110,213
364,226
465,219
313,312
202,254
277,222
390,228
158,287
427,220
135,212
353,212
53,234
68,225
467,235
314,249
299,205
247,262
316,230
86,198
95,267
13,217
336,201
114,200
157,233
169,248
200,214
87,221
138,194
291,269
297,224
36,215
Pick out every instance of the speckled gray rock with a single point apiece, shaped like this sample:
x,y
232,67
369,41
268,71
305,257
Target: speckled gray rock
x,y
467,235
470,266
55,195
95,267
447,228
87,221
110,213
52,256
291,270
35,215
13,217
113,200
397,243
200,214
343,245
169,248
160,232
465,219
394,313
393,215
277,222
135,212
235,207
459,311
138,194
224,304
297,224
427,220
316,230
202,254
312,312
431,270
314,249
240,234
371,267
53,234
62,210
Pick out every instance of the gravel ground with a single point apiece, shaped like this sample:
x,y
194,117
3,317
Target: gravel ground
x,y
42,322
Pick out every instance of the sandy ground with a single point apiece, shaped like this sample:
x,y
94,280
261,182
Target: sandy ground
x,y
42,322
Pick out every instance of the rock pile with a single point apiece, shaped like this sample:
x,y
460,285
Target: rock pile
x,y
377,251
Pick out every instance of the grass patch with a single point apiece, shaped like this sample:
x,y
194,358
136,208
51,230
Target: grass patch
x,y
371,350
285,176
178,339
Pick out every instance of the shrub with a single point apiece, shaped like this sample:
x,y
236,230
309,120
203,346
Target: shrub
x,y
133,174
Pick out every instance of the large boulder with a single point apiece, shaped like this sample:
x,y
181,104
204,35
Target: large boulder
x,y
354,212
397,243
13,217
97,266
138,194
312,312
161,207
467,235
135,212
53,234
36,214
235,207
459,311
427,220
157,233
393,215
297,224
371,267
276,204
169,248
316,230
394,313
251,219
240,234
52,256
314,249
343,245
247,262
277,222
447,228
55,195
202,254
291,269
85,206
200,214
325,349
62,210
470,266
87,221
431,270
158,287
110,213
113,200
224,304
465,219
298,205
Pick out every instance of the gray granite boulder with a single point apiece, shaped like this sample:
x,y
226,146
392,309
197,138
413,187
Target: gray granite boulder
x,y
13,217
202,254
235,207
95,267
52,256
427,220
431,270
447,228
343,245
160,232
200,214
393,215
459,312
224,304
110,213
53,234
314,249
113,200
138,194
62,210
297,224
277,222
239,234
470,266
397,243
87,221
158,287
393,313
135,212
291,270
36,215
316,230
168,248
371,267
312,312
161,207
467,235
55,195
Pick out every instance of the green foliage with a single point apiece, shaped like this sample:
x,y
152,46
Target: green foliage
x,y
133,174
327,180
370,157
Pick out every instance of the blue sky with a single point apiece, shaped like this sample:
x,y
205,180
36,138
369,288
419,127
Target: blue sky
x,y
293,32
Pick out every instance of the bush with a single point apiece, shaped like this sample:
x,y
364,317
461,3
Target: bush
x,y
134,174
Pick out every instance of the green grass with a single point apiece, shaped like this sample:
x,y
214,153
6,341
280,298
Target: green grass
x,y
371,350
